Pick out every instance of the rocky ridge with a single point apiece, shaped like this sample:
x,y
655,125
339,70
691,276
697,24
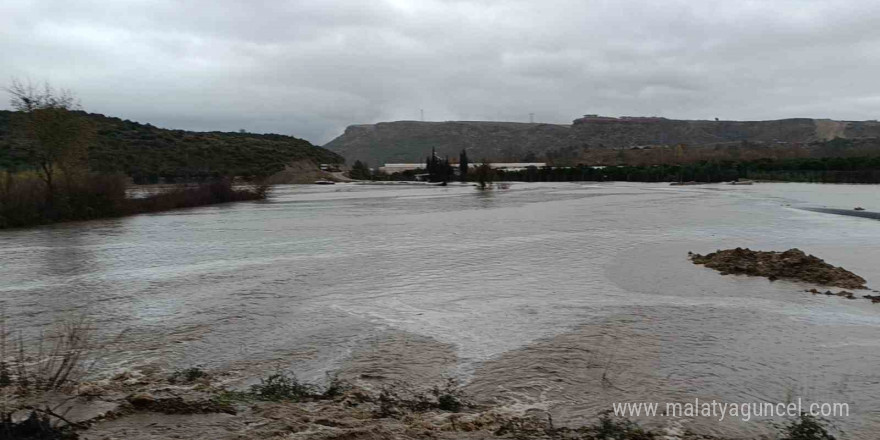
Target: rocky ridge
x,y
409,141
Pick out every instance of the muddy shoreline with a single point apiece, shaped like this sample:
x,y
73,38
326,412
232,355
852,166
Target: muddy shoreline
x,y
139,405
392,399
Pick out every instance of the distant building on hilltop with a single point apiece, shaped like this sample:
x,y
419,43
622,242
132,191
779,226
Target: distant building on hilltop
x,y
597,119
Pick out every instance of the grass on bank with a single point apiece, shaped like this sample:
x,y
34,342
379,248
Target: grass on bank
x,y
25,200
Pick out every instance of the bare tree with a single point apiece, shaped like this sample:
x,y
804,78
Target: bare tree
x,y
56,136
28,97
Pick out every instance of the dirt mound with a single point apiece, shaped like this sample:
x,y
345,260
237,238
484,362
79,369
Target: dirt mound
x,y
301,171
792,264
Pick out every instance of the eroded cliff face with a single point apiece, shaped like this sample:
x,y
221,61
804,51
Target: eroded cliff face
x,y
409,141
626,132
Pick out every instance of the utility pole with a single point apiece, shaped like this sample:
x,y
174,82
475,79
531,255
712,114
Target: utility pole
x,y
531,118
423,114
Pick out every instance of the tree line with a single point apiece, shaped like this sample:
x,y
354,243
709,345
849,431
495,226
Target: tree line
x,y
861,169
820,170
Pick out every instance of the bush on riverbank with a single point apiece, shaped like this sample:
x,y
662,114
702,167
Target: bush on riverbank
x,y
283,386
59,360
24,200
400,399
608,427
188,375
806,427
212,193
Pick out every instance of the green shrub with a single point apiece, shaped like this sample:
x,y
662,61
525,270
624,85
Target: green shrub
x,y
806,427
402,398
188,375
450,397
610,428
282,386
335,387
607,428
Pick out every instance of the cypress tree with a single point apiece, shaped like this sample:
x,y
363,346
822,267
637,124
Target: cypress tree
x,y
463,165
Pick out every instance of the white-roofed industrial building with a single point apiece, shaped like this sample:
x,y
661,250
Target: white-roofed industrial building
x,y
392,168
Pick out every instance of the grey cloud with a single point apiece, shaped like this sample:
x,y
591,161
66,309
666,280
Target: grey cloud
x,y
309,68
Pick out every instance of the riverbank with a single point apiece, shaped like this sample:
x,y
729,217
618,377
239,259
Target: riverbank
x,y
196,404
27,201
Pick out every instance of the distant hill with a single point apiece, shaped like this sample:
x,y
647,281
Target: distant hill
x,y
409,141
146,152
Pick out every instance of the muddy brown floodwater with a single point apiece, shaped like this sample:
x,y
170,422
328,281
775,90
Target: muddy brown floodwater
x,y
560,297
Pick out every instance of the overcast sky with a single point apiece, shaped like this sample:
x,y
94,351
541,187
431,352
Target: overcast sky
x,y
310,68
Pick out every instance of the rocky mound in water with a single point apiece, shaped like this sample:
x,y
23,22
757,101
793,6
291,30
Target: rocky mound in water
x,y
792,264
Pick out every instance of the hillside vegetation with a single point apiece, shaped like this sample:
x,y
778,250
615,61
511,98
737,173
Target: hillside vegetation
x,y
59,163
408,141
147,153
